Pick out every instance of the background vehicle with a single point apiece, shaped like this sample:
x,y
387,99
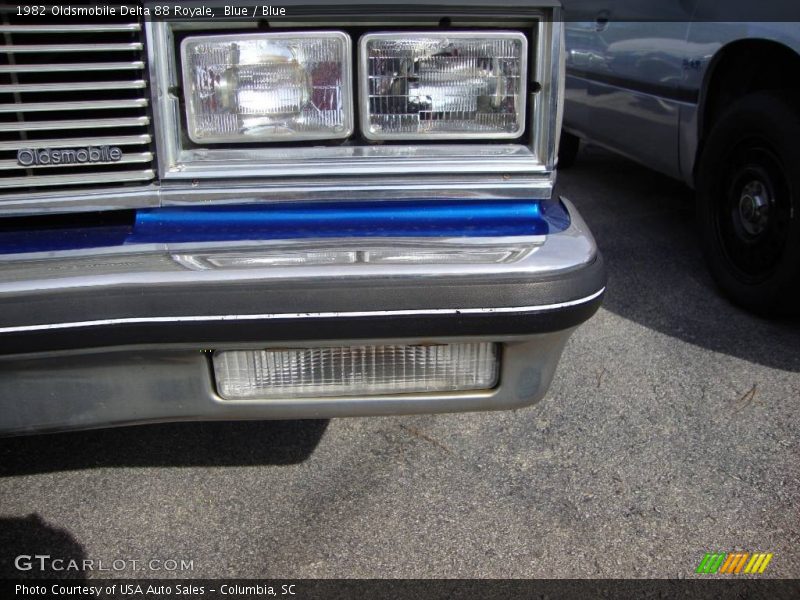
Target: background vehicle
x,y
713,103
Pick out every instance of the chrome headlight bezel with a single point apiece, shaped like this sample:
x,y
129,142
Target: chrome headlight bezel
x,y
357,166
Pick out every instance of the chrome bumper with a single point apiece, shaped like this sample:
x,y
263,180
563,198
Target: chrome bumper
x,y
124,336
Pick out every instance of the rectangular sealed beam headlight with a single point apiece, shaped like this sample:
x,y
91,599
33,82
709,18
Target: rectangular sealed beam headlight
x,y
355,370
268,87
443,85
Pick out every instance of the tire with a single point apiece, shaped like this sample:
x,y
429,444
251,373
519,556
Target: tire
x,y
748,192
568,150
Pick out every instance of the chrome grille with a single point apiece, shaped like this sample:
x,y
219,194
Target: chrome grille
x,y
69,87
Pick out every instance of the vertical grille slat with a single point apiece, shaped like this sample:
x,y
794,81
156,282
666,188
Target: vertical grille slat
x,y
74,124
104,178
37,48
76,28
74,108
66,67
122,140
76,105
74,86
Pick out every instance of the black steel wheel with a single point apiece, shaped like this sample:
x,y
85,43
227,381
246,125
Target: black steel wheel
x,y
748,188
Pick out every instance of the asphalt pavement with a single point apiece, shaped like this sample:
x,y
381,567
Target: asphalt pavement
x,y
671,430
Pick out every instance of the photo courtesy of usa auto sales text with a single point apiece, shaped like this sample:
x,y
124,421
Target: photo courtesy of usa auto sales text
x,y
135,589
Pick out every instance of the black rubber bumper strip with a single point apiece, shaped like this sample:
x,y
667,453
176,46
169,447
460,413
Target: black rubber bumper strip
x,y
542,306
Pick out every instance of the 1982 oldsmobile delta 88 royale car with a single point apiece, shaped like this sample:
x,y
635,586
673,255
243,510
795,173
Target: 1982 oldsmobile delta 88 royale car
x,y
347,211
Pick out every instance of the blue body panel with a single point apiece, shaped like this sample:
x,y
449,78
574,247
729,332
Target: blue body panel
x,y
442,218
54,240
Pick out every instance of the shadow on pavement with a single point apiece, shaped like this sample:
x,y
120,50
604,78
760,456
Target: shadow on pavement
x,y
645,227
30,536
209,444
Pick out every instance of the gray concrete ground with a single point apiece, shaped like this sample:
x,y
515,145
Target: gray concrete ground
x,y
671,430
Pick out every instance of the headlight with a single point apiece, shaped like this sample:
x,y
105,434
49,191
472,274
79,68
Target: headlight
x,y
267,87
443,85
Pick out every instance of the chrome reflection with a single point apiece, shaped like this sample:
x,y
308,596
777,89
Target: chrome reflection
x,y
359,254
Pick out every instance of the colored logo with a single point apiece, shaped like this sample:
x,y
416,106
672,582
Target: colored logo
x,y
734,563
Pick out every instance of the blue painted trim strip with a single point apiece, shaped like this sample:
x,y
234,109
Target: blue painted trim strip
x,y
340,219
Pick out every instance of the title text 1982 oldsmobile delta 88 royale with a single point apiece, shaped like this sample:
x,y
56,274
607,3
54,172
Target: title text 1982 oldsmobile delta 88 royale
x,y
346,210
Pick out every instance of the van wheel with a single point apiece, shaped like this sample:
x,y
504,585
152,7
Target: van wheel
x,y
748,192
568,150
